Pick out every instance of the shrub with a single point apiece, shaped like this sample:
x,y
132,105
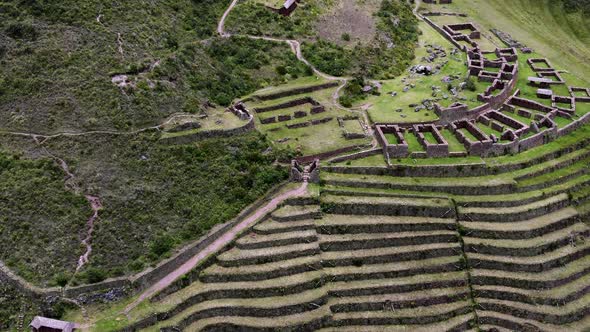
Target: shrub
x,y
470,84
21,31
94,275
162,245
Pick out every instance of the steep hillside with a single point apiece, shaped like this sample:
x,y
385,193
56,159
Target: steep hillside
x,y
560,34
59,59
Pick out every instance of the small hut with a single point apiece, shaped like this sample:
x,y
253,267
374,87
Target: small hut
x,y
288,7
42,324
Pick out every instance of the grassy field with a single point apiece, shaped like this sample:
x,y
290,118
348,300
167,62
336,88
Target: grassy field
x,y
382,109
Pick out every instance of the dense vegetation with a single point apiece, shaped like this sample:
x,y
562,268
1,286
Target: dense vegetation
x,y
387,54
158,197
40,220
577,5
57,59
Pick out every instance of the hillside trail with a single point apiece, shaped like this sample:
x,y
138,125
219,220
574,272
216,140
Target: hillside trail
x,y
45,137
296,49
217,245
94,202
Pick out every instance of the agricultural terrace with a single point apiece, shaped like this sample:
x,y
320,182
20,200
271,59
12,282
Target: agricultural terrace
x,y
444,182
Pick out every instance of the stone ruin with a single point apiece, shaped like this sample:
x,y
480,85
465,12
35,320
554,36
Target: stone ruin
x,y
240,111
315,108
440,148
309,173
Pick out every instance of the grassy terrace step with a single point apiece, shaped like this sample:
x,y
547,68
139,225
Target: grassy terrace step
x,y
276,306
457,323
387,255
453,185
568,273
552,297
259,272
557,176
540,263
296,212
411,268
256,241
399,301
414,316
428,207
532,228
356,224
511,323
399,285
527,247
307,321
238,257
275,227
570,313
501,200
516,213
503,164
344,242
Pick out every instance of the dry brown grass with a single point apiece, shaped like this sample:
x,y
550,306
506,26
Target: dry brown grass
x,y
352,17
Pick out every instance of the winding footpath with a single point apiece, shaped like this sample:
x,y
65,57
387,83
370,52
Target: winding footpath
x,y
296,49
217,245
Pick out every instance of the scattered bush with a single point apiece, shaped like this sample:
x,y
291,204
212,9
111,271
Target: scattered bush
x,y
21,31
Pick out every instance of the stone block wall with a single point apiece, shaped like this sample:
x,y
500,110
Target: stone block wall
x,y
289,104
186,139
530,104
393,150
433,150
534,61
297,91
585,91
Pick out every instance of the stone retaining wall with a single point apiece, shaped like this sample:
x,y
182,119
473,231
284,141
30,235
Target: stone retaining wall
x,y
298,91
187,139
288,104
329,154
358,155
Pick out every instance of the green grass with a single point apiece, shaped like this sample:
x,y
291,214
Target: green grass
x,y
383,108
391,139
469,135
454,144
413,143
429,137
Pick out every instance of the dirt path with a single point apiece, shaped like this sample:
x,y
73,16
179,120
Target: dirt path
x,y
41,138
96,206
221,25
215,246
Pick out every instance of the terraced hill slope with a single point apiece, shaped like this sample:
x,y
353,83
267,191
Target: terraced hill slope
x,y
467,242
501,246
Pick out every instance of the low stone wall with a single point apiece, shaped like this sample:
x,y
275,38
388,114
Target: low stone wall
x,y
443,32
289,104
298,91
391,210
187,139
358,155
329,154
27,289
